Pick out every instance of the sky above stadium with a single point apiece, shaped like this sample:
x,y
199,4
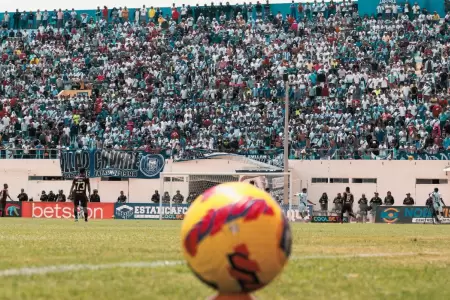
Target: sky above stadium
x,y
12,5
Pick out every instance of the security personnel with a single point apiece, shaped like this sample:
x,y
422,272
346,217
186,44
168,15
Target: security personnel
x,y
23,196
408,200
156,197
374,203
363,208
95,197
338,203
324,204
51,197
44,197
122,198
166,198
60,197
191,198
389,200
178,198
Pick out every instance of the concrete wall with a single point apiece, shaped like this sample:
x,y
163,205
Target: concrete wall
x,y
399,177
17,172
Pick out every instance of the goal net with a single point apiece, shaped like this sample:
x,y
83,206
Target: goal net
x,y
184,188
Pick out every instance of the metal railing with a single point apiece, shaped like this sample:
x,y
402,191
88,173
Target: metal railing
x,y
270,156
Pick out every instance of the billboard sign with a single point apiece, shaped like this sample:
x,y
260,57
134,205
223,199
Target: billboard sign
x,y
328,219
64,210
149,211
112,163
408,215
13,209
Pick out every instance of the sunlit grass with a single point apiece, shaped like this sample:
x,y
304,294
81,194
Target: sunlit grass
x,y
423,272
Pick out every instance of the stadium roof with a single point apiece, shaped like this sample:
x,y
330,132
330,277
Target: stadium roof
x,y
12,5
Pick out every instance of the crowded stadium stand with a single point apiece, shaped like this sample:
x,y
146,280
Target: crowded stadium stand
x,y
210,78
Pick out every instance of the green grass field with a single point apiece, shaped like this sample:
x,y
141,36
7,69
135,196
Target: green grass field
x,y
393,261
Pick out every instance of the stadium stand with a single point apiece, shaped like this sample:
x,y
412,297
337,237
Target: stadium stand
x,y
211,77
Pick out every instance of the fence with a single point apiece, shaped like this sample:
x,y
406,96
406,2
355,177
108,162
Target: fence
x,y
270,156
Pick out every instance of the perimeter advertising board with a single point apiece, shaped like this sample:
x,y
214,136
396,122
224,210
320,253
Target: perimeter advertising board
x,y
64,210
143,211
408,215
13,209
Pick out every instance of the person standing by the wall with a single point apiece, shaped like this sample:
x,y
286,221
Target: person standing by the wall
x,y
95,197
156,197
51,197
338,204
22,196
60,197
192,196
323,201
363,208
166,198
177,198
122,198
389,200
374,203
44,197
408,200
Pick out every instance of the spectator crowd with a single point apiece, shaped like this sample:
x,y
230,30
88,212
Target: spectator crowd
x,y
211,77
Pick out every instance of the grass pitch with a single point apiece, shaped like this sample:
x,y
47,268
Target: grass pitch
x,y
393,261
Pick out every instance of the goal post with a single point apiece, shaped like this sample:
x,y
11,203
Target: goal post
x,y
180,189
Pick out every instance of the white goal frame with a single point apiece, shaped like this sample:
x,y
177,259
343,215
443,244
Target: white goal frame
x,y
164,175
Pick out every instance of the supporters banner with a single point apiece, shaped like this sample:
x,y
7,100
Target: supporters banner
x,y
72,93
112,163
272,158
444,155
408,215
64,210
383,2
143,211
13,209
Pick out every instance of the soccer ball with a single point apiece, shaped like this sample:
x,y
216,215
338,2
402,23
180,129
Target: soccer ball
x,y
235,238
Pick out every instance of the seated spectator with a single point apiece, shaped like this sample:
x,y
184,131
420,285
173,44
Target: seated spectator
x,y
359,87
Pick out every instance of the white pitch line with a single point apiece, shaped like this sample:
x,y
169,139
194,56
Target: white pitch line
x,y
361,255
157,264
69,268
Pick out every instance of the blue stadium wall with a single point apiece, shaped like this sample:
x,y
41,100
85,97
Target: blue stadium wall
x,y
366,7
